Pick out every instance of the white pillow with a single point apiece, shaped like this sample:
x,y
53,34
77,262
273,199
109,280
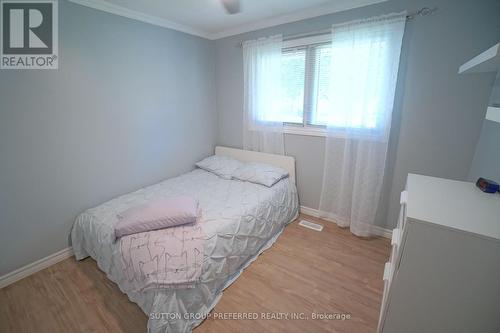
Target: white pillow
x,y
222,166
260,173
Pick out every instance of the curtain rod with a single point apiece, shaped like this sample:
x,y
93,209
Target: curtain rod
x,y
424,11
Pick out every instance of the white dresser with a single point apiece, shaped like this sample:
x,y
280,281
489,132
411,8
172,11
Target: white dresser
x,y
444,272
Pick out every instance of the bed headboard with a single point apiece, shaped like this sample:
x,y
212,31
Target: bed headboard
x,y
285,162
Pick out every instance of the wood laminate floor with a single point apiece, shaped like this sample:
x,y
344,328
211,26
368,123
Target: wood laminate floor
x,y
305,272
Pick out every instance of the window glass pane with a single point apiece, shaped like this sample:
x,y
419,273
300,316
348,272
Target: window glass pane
x,y
321,87
292,76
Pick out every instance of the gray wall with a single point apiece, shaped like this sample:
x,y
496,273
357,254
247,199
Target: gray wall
x,y
486,162
438,113
134,103
130,105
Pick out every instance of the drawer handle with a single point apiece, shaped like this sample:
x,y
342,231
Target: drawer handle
x,y
387,271
404,197
396,235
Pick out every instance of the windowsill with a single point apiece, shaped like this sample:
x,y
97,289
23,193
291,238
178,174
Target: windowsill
x,y
308,131
323,132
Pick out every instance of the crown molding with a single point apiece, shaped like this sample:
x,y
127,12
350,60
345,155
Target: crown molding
x,y
138,16
337,6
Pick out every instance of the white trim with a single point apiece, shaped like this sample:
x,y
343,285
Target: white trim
x,y
138,16
309,211
34,267
337,6
305,130
378,231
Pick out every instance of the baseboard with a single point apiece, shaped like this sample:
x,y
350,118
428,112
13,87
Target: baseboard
x,y
34,267
382,232
378,231
309,211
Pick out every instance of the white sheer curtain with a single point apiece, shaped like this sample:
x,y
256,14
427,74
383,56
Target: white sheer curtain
x,y
364,67
262,130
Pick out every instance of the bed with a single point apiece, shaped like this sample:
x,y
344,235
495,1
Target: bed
x,y
240,220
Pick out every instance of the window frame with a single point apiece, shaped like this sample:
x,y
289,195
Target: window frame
x,y
308,43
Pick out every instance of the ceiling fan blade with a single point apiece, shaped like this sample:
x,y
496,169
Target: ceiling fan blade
x,y
231,6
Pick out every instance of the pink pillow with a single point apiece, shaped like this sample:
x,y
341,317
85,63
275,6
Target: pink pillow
x,y
159,214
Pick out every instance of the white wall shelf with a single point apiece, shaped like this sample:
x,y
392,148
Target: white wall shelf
x,y
493,113
488,61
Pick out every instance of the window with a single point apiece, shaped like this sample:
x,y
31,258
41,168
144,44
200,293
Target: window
x,y
305,67
305,103
306,106
341,84
320,85
293,79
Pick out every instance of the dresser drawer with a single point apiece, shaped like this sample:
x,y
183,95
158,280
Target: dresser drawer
x,y
390,270
387,277
396,237
391,267
402,211
383,306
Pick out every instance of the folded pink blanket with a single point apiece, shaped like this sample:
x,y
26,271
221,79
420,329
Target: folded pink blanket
x,y
159,214
165,258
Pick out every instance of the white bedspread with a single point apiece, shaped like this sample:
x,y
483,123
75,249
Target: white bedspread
x,y
239,220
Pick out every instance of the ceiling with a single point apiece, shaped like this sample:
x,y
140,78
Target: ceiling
x,y
208,19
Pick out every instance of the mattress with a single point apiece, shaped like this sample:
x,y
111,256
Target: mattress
x,y
239,220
